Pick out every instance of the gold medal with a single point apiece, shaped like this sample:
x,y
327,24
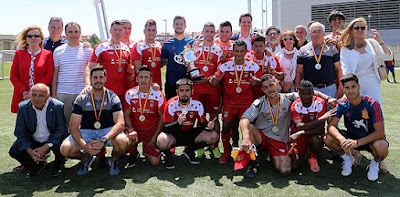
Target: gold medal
x,y
275,129
142,118
153,53
97,125
274,118
119,57
238,90
153,64
184,109
318,59
318,66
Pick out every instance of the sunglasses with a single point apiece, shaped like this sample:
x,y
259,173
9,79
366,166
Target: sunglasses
x,y
31,36
286,39
358,28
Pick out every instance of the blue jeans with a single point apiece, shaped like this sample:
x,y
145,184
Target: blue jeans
x,y
329,90
88,134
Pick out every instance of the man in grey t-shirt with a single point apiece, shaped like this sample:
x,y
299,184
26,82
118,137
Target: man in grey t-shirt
x,y
266,125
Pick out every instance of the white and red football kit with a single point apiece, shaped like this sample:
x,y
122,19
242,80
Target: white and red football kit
x,y
194,109
107,55
263,63
130,44
147,55
152,108
234,103
208,61
306,114
227,50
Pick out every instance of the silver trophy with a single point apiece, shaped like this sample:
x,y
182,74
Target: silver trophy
x,y
187,57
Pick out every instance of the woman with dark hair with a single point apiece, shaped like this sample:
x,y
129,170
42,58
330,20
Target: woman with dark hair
x,y
288,59
360,56
31,65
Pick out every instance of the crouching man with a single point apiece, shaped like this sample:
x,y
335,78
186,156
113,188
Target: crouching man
x,y
97,121
363,120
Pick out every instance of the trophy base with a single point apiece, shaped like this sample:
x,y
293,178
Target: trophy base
x,y
197,78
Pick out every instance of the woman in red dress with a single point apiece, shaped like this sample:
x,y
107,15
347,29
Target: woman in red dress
x,y
31,65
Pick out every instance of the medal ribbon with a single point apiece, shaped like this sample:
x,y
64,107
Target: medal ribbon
x,y
208,55
239,80
94,104
120,54
185,106
153,53
263,62
318,59
227,49
274,119
145,102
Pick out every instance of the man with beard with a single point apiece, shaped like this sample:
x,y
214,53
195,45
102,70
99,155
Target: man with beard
x,y
97,121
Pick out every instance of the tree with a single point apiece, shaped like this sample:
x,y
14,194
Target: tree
x,y
93,40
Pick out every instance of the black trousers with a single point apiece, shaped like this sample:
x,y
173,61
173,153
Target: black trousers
x,y
170,91
26,160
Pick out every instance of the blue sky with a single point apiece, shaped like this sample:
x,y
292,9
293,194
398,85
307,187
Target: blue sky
x,y
18,14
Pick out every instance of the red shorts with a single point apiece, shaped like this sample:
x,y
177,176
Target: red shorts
x,y
274,147
211,102
147,149
301,145
230,113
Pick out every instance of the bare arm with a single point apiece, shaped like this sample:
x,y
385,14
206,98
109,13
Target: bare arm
x,y
245,128
54,82
378,134
119,126
299,75
87,72
332,130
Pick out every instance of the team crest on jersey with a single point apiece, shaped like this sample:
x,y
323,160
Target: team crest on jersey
x,y
111,52
225,114
191,114
229,53
365,114
151,103
312,117
211,56
126,53
246,75
134,101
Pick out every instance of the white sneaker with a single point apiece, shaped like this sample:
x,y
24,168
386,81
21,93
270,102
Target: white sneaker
x,y
373,172
346,165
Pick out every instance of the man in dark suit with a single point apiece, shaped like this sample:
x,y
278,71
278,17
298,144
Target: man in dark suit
x,y
40,127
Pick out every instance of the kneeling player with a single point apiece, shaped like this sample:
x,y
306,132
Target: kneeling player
x,y
309,116
363,120
180,115
143,109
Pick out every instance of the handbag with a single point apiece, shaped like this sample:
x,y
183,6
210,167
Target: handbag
x,y
382,67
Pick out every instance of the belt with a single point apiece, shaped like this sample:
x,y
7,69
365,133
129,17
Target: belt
x,y
323,85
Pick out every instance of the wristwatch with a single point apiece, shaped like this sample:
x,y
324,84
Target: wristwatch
x,y
50,144
104,139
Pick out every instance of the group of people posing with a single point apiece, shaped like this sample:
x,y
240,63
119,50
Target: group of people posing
x,y
279,90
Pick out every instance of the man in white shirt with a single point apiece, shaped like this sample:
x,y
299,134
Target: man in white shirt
x,y
70,61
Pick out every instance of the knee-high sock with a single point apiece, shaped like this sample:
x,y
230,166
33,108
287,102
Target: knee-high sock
x,y
225,141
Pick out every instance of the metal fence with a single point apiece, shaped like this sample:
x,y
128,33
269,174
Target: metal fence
x,y
6,56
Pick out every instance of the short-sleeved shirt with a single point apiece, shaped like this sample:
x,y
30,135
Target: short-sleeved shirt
x,y
104,54
226,71
195,111
154,106
260,113
83,106
257,92
50,45
142,52
326,75
308,114
213,53
175,71
360,119
227,50
71,62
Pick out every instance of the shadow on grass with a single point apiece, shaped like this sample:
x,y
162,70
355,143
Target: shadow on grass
x,y
208,174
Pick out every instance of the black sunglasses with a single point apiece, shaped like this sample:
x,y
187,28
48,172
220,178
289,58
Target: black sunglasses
x,y
286,39
358,28
31,36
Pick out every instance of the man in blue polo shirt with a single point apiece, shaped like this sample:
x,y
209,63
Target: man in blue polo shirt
x,y
55,39
170,49
363,120
319,62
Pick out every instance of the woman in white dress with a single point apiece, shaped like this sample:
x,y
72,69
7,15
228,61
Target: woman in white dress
x,y
360,56
288,59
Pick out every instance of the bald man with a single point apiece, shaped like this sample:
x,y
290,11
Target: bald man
x,y
46,132
301,34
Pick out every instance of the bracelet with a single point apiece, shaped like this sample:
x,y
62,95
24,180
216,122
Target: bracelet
x,y
357,143
381,43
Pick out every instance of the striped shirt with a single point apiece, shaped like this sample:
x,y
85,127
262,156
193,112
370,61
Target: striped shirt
x,y
71,62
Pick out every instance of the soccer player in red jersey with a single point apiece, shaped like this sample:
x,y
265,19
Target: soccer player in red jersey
x,y
269,64
180,115
113,55
309,114
148,52
238,77
224,42
144,110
